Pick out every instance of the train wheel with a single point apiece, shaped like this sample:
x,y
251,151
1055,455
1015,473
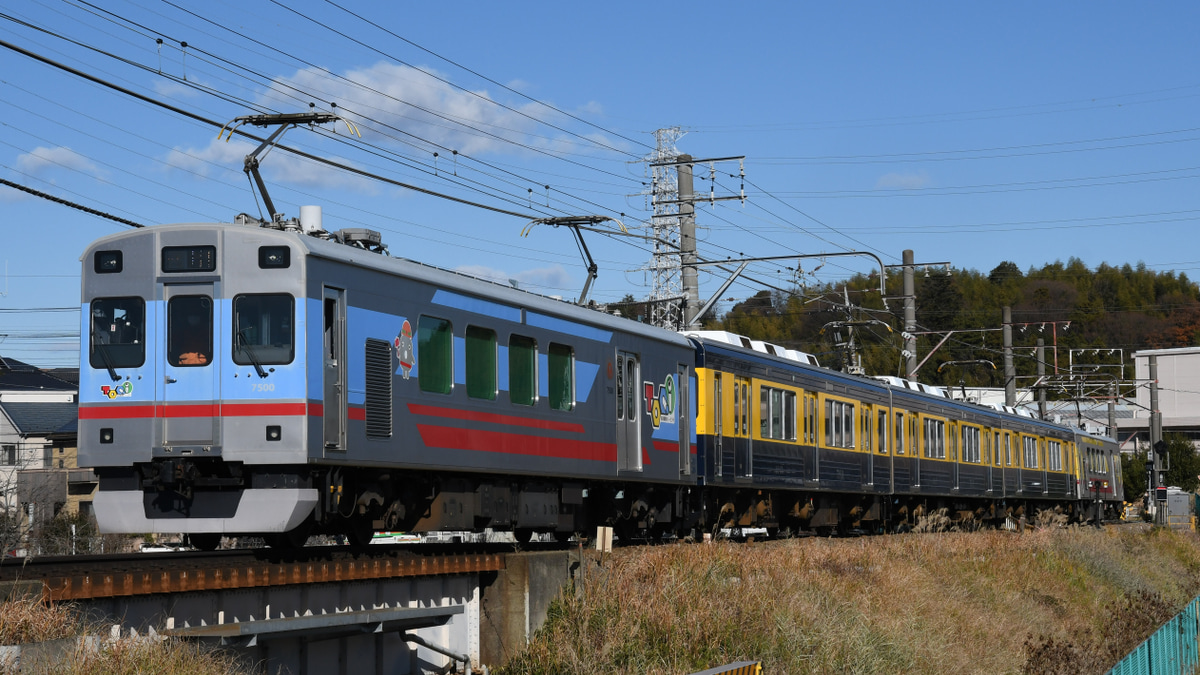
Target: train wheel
x,y
205,541
292,539
360,531
523,535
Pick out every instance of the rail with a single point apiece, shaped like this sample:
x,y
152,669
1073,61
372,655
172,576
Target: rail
x,y
1172,650
91,577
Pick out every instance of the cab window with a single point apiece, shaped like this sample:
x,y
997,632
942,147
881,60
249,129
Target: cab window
x,y
262,329
189,330
117,333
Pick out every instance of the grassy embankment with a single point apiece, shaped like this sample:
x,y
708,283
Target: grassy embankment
x,y
24,621
1052,601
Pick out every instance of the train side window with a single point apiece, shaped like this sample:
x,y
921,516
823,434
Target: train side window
x,y
118,327
935,439
522,370
898,422
262,329
777,414
561,364
190,330
789,416
1029,448
970,444
435,355
1054,456
764,412
882,432
481,363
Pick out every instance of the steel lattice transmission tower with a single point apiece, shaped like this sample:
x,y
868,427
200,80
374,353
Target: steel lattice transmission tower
x,y
666,296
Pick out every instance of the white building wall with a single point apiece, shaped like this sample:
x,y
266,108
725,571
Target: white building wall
x,y
1178,385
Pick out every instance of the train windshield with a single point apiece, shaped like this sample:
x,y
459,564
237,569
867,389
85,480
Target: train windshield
x,y
118,333
263,329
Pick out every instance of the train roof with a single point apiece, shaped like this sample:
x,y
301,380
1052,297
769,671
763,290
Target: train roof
x,y
736,345
463,283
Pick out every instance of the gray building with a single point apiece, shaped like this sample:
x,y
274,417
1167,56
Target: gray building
x,y
1178,396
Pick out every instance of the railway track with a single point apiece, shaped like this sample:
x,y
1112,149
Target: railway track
x,y
117,575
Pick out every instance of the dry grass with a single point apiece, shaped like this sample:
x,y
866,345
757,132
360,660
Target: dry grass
x,y
27,621
1053,600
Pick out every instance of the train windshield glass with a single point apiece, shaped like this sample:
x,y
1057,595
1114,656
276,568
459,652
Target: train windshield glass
x,y
263,329
118,330
189,330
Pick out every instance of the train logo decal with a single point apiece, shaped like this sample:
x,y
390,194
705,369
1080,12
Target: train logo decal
x,y
404,349
660,405
124,389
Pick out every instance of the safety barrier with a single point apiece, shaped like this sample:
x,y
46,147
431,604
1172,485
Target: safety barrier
x,y
1171,650
739,668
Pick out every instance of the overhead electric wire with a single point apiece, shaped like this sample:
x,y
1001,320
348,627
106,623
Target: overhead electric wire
x,y
219,125
74,205
1019,186
437,77
938,155
484,77
275,82
413,105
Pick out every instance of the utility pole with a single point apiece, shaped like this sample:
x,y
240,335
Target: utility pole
x,y
687,241
1041,372
910,317
664,229
673,230
1112,410
1010,371
1157,448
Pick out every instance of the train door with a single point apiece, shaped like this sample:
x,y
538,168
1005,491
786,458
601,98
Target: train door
x,y
334,356
918,447
190,376
866,445
810,433
718,430
629,417
683,415
993,457
953,431
742,452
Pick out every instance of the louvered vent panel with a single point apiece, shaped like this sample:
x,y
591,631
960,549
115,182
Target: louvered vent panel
x,y
379,389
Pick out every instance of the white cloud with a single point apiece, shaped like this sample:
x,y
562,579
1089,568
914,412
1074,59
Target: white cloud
x,y
279,167
903,181
551,280
404,98
217,155
42,160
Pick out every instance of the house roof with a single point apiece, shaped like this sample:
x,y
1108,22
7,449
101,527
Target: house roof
x,y
42,418
17,376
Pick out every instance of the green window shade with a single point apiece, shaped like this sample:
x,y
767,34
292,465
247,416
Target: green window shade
x,y
435,355
561,363
522,370
481,363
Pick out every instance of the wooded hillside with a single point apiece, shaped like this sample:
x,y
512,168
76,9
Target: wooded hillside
x,y
1109,308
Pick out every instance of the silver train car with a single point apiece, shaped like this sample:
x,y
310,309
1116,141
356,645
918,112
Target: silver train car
x,y
238,379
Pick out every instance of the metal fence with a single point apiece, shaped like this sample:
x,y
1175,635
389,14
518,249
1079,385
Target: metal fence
x,y
1172,650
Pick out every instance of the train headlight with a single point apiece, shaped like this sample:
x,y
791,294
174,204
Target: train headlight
x,y
274,432
107,262
270,257
106,435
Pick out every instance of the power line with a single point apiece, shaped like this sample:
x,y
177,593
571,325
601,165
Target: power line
x,y
294,151
74,205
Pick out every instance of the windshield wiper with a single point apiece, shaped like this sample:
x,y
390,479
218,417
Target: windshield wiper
x,y
250,353
103,349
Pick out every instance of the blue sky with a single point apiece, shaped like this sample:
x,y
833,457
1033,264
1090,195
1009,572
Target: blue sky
x,y
970,133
